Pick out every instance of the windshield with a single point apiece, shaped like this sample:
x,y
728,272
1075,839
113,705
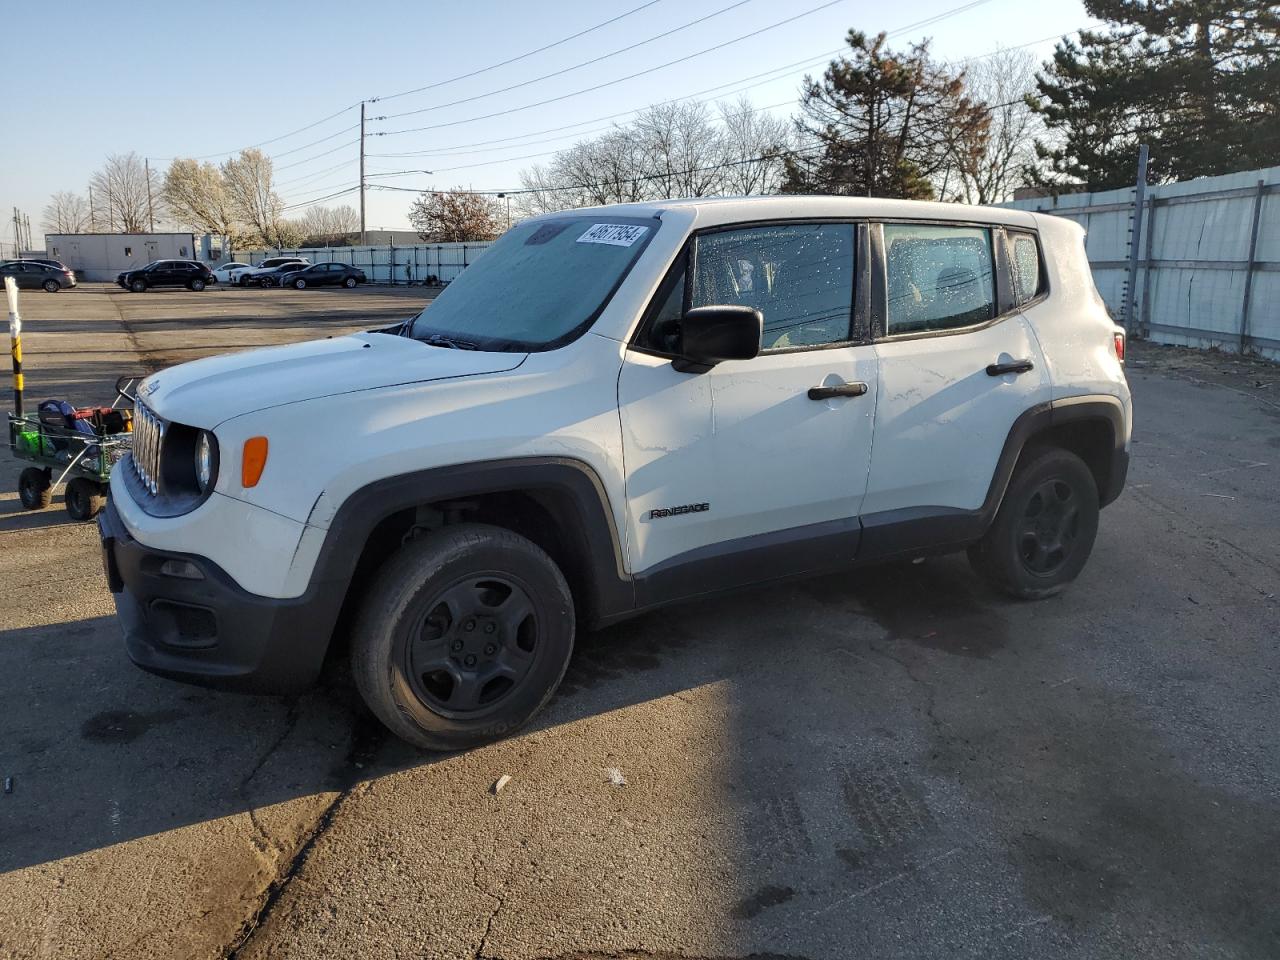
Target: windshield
x,y
539,286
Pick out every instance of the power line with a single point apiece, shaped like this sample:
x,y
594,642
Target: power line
x,y
640,73
508,191
318,155
569,69
307,203
523,56
456,151
263,143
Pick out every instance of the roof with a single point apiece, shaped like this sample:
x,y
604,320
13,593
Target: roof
x,y
711,211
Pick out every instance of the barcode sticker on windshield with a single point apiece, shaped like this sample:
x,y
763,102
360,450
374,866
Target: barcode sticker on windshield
x,y
614,234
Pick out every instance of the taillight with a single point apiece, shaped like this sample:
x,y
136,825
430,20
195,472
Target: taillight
x,y
1118,343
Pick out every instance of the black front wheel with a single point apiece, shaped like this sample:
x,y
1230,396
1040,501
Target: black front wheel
x,y
463,636
35,488
138,286
1044,531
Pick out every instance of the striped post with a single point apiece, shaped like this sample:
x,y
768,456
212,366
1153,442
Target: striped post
x,y
15,342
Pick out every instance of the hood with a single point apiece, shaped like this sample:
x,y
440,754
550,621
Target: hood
x,y
207,392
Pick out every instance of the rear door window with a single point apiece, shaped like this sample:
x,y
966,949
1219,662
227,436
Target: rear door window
x,y
939,277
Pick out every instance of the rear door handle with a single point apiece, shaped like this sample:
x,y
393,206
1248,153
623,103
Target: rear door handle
x,y
855,389
1013,366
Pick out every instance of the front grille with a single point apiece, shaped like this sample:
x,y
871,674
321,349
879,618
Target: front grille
x,y
148,439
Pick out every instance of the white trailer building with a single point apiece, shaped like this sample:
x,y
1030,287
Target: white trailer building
x,y
101,256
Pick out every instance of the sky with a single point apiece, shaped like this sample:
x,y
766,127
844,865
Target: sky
x,y
167,80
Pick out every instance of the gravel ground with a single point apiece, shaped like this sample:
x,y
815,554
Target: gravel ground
x,y
893,762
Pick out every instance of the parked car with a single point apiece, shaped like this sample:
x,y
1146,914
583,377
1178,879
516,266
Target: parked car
x,y
615,409
35,274
247,277
272,278
323,274
57,264
167,273
229,272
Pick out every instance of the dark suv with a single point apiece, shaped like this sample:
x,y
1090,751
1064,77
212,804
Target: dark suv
x,y
167,273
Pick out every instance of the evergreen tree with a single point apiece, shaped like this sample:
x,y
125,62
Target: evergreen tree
x,y
1198,80
881,123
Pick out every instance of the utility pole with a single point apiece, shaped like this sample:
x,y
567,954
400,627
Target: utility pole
x,y
151,219
93,217
1135,240
27,220
362,228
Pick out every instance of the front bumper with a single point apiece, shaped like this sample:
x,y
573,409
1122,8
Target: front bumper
x,y
210,630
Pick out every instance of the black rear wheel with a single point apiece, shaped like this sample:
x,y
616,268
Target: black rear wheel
x,y
1044,531
35,488
197,284
349,282
84,499
463,636
52,286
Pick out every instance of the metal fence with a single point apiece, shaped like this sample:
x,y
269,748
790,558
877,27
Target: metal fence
x,y
389,263
1207,269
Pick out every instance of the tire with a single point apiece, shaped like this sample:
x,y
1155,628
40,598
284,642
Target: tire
x,y
491,677
138,286
34,488
1044,530
196,285
349,283
51,286
299,284
83,499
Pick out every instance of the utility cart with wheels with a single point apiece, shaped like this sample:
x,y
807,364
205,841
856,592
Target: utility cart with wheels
x,y
64,444
80,455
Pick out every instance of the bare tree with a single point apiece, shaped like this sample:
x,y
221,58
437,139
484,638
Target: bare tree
x,y
249,185
329,226
669,150
66,212
682,150
987,166
455,215
121,189
754,143
196,196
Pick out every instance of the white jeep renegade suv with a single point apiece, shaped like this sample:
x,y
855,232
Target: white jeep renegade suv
x,y
614,409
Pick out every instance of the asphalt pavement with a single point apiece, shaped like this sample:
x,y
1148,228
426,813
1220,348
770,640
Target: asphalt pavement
x,y
892,762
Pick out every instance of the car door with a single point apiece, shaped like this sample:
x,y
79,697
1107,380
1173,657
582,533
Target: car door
x,y
160,274
749,458
957,365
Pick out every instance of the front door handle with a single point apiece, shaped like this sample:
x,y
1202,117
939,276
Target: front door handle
x,y
1012,366
855,389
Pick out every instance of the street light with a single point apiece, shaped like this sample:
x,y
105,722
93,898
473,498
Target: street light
x,y
503,196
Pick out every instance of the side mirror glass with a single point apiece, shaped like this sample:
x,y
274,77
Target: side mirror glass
x,y
710,335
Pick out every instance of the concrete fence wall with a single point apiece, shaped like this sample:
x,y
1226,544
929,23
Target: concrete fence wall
x,y
1208,267
389,263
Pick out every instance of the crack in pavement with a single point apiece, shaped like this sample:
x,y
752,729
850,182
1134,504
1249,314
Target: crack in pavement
x,y
295,864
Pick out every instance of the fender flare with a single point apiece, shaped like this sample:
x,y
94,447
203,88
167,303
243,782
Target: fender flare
x,y
590,529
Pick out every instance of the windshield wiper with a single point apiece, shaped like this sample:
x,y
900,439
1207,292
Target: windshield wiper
x,y
439,340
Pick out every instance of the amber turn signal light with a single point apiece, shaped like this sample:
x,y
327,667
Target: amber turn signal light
x,y
253,461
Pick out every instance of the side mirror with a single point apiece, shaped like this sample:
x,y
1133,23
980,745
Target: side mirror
x,y
709,335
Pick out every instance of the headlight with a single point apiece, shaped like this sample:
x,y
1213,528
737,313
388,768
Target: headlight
x,y
204,460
